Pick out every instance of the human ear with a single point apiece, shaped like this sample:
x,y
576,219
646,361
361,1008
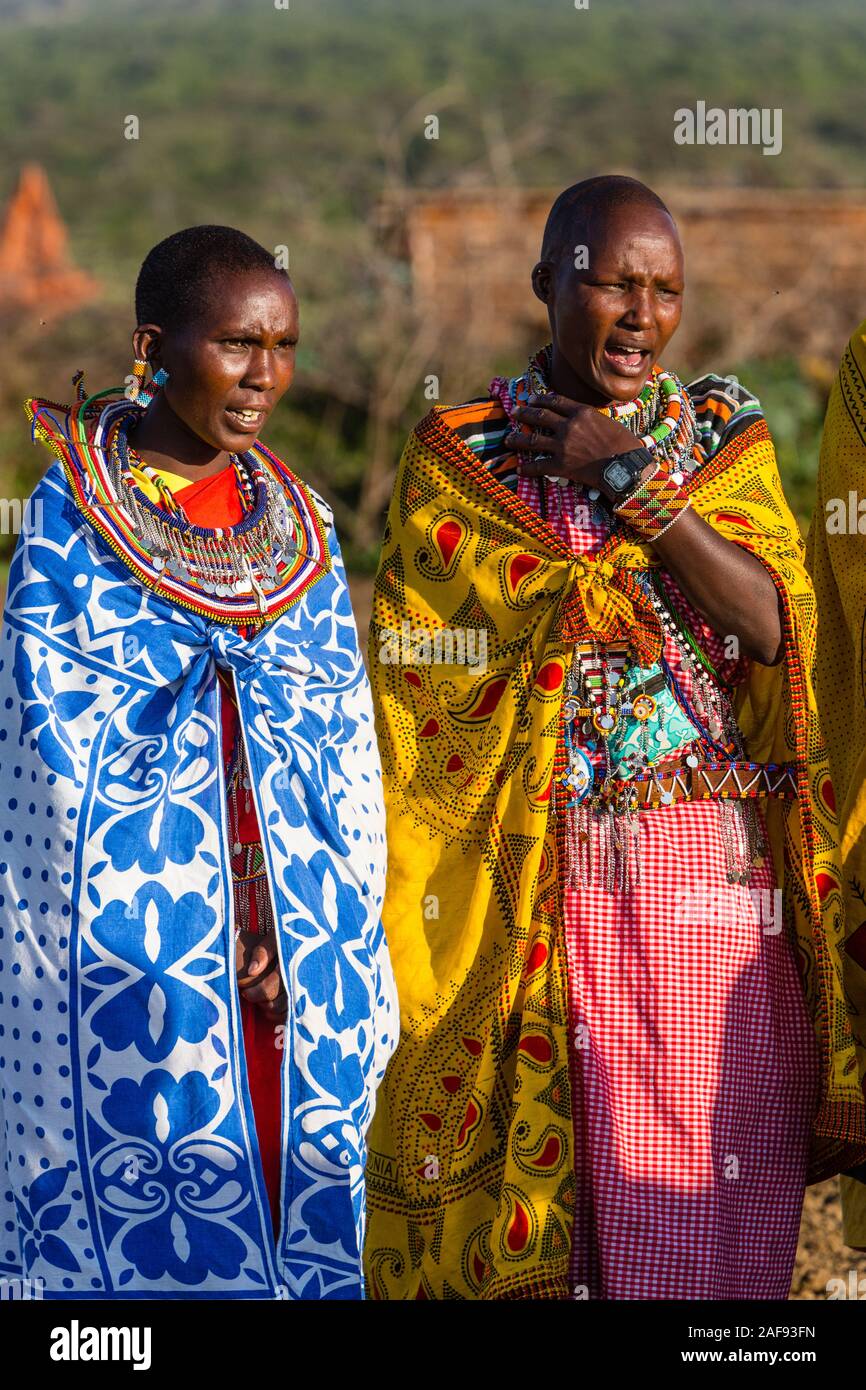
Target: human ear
x,y
146,343
542,281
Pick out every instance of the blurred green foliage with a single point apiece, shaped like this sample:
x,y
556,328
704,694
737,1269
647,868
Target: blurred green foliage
x,y
292,123
794,408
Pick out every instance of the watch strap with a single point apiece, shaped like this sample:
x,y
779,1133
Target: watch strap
x,y
635,460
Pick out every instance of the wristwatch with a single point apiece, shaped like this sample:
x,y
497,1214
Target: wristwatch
x,y
621,473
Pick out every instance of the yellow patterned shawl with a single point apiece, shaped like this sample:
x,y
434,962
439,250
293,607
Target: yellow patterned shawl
x,y
836,557
470,1174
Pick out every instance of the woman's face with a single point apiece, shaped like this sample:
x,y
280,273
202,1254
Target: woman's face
x,y
230,365
614,312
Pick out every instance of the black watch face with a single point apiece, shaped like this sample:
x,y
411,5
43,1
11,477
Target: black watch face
x,y
619,476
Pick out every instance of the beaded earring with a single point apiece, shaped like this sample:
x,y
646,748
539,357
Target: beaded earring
x,y
135,380
159,378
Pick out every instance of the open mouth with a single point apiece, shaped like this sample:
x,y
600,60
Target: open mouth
x,y
626,360
246,421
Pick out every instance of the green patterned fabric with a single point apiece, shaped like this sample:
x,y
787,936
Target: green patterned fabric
x,y
633,736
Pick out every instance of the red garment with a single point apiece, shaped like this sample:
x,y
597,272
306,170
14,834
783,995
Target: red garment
x,y
694,1076
215,502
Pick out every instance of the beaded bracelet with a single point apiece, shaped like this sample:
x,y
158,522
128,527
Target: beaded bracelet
x,y
655,505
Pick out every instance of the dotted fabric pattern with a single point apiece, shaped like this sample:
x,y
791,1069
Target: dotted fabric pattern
x,y
835,551
128,1146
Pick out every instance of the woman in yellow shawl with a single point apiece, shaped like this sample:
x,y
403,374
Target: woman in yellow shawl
x,y
614,892
836,558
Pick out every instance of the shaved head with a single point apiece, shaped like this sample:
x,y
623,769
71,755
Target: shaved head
x,y
569,219
612,277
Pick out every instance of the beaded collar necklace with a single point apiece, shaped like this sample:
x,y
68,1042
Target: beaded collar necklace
x,y
240,559
249,573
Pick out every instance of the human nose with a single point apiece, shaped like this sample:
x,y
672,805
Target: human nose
x,y
639,313
261,370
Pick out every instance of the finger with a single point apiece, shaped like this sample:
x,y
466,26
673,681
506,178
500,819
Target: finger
x,y
271,971
264,991
534,443
560,405
276,1010
262,954
275,1005
541,419
245,982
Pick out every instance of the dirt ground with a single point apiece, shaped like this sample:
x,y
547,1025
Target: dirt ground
x,y
822,1254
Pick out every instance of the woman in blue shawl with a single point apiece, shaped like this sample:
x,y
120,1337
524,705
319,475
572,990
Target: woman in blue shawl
x,y
196,1002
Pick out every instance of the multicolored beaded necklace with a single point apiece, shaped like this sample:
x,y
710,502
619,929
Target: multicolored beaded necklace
x,y
662,416
241,559
249,572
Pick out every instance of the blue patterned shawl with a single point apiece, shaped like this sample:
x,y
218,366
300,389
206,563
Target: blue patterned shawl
x,y
131,1162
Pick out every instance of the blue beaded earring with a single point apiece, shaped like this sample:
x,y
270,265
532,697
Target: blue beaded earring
x,y
147,393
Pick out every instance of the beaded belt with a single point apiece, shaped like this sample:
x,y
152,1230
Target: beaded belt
x,y
603,829
660,786
250,887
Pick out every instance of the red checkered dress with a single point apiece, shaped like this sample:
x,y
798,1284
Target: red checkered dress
x,y
694,1064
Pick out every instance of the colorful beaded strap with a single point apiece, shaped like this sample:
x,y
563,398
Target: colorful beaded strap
x,y
655,504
